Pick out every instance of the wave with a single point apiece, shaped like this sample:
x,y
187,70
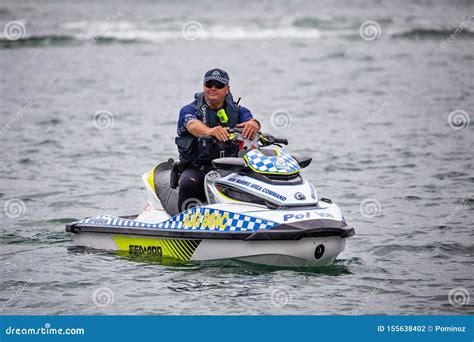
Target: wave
x,y
420,33
130,34
335,22
36,41
90,33
60,40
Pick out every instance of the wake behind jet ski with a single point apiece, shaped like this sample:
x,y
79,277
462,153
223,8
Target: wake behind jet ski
x,y
259,209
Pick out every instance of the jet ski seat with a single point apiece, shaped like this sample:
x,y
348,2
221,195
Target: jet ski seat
x,y
167,195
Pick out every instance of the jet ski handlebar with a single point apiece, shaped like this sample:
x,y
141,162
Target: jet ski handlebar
x,y
270,140
281,141
264,139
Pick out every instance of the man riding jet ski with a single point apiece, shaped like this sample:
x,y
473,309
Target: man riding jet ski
x,y
212,113
255,206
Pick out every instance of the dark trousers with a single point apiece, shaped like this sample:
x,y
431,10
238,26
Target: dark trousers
x,y
191,189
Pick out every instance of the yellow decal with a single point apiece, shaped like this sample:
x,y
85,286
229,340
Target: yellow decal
x,y
210,221
151,178
172,248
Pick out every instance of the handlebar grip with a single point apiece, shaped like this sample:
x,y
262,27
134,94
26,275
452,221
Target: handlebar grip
x,y
236,130
281,141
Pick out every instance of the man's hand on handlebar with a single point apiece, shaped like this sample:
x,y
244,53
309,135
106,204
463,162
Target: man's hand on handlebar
x,y
250,128
219,132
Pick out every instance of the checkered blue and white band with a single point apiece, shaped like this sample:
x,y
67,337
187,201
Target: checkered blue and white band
x,y
283,163
198,218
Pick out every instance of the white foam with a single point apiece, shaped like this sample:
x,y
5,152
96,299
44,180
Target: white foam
x,y
127,31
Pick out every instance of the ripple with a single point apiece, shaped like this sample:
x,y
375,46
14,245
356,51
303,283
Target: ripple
x,y
25,161
412,198
48,142
453,248
451,174
50,122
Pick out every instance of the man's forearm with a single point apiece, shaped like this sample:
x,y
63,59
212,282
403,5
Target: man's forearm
x,y
197,128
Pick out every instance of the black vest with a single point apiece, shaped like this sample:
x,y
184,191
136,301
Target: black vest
x,y
187,144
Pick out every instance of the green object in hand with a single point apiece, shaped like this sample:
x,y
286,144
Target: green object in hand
x,y
222,115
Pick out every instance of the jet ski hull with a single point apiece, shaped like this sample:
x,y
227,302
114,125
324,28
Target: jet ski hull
x,y
306,252
258,209
298,244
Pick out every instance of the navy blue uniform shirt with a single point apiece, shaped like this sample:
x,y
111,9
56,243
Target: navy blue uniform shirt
x,y
188,113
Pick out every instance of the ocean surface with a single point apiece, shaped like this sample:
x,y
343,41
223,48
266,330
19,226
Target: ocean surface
x,y
379,93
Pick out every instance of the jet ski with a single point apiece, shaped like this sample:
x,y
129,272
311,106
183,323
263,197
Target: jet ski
x,y
259,209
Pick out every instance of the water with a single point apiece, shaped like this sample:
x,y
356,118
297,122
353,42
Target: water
x,y
373,114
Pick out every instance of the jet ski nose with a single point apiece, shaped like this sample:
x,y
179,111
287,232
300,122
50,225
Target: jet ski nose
x,y
302,229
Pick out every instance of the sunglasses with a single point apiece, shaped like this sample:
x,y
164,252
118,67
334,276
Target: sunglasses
x,y
217,84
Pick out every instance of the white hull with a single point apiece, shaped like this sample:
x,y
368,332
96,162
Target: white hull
x,y
299,253
270,218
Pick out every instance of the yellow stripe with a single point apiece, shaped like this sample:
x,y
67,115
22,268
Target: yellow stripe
x,y
171,249
187,248
174,244
275,173
179,247
227,197
174,248
151,178
194,243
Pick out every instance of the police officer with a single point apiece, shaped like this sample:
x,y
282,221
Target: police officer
x,y
200,118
